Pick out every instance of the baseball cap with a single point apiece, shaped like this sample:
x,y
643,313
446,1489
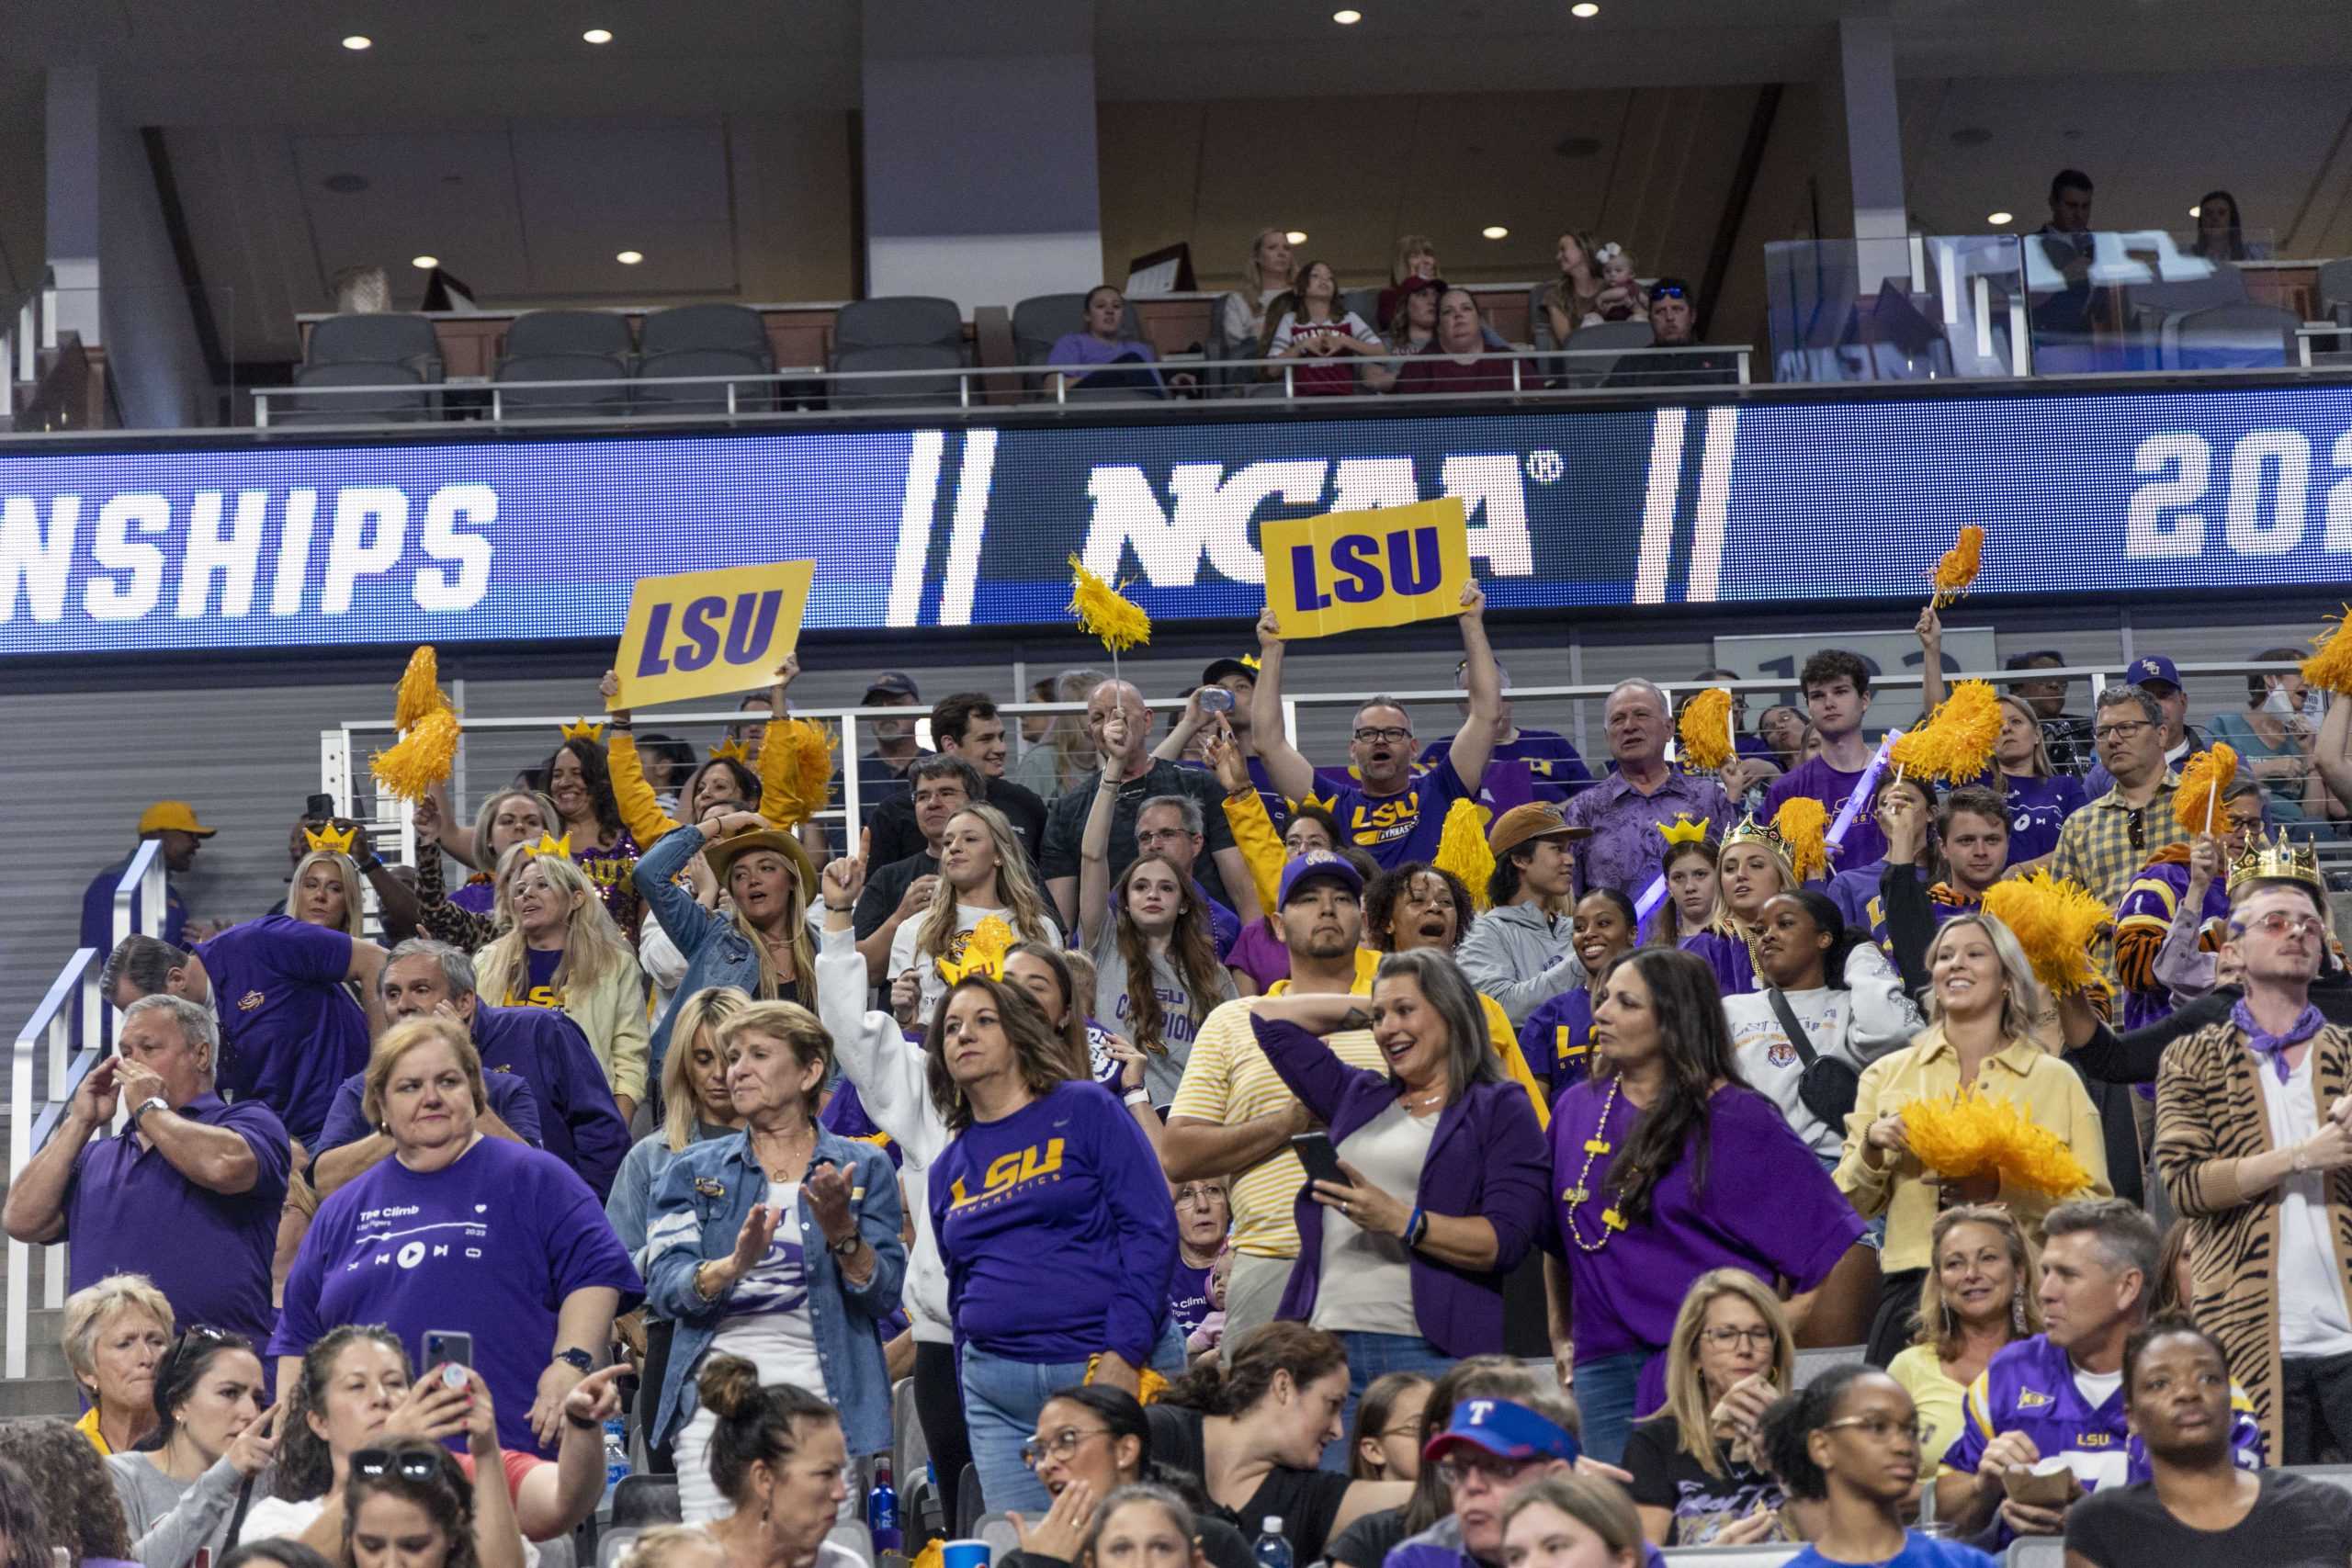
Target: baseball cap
x,y
1317,863
1505,1429
172,817
896,682
1220,668
1535,820
2155,666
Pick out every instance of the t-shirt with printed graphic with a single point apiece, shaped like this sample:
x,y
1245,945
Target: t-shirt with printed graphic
x,y
1180,1012
489,1244
1703,1505
1556,1040
290,1031
903,956
767,1320
539,965
1188,1294
2038,808
1056,1229
1393,829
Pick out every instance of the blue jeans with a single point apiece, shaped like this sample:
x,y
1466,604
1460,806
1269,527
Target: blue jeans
x,y
1373,1356
1002,1400
1606,1387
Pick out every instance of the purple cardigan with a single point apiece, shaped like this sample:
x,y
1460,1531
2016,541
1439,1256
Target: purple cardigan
x,y
1486,1159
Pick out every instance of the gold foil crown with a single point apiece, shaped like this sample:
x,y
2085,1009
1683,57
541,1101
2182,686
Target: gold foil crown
x,y
2276,860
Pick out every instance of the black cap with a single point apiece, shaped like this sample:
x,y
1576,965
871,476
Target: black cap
x,y
1220,668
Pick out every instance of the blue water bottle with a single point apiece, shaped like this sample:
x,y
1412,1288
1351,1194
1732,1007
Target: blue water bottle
x,y
882,1509
1273,1548
616,1453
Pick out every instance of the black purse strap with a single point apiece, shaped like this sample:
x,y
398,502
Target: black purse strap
x,y
1788,1024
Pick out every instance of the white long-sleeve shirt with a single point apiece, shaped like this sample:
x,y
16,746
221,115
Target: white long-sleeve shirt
x,y
874,1054
1857,1025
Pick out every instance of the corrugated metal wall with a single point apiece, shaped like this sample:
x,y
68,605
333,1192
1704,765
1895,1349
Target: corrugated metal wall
x,y
85,755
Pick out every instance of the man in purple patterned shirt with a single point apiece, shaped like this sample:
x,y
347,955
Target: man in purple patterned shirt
x,y
1625,810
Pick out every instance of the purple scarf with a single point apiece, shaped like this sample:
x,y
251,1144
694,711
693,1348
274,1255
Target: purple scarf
x,y
2276,1046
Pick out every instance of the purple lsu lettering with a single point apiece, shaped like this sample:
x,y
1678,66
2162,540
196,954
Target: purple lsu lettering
x,y
1007,1171
1415,567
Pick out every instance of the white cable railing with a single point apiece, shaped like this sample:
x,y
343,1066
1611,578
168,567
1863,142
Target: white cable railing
x,y
1533,373
34,1114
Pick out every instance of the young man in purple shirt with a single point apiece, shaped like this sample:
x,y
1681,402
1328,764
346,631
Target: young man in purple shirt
x,y
289,1031
1837,697
1554,769
187,1194
1391,813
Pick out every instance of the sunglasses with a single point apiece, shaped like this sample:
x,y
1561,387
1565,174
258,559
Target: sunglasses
x,y
1668,292
409,1464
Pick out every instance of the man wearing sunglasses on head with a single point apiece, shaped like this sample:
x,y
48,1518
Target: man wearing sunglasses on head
x,y
1674,323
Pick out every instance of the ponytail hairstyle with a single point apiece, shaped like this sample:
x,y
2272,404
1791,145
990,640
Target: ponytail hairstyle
x,y
1784,1438
423,1473
181,1369
756,1425
1266,1353
305,1468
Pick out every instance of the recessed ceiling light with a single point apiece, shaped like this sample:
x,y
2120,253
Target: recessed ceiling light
x,y
425,264
1297,237
629,258
1585,9
598,35
1998,218
1494,232
2198,210
359,41
1346,18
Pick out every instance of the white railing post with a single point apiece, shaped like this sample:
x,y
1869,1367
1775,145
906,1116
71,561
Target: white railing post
x,y
47,1028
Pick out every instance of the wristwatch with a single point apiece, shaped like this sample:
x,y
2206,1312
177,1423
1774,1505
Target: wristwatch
x,y
573,1356
152,1102
846,1247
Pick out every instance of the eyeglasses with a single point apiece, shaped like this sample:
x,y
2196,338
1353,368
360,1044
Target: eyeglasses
x,y
2279,923
1061,1445
410,1464
1202,1195
2124,732
1454,1472
1388,733
1405,1429
1884,1428
1724,1339
1161,835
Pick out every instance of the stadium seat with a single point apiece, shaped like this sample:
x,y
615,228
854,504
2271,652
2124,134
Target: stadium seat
x,y
571,332
2036,1552
1364,302
902,321
933,389
1604,335
640,1501
969,1504
1762,1556
660,390
2224,337
735,329
613,1545
562,403
1039,322
909,1450
1539,320
998,1531
1810,1364
391,404
2337,1475
853,1536
1237,380
376,338
2333,291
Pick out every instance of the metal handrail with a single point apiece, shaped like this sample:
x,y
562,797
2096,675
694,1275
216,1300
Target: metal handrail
x,y
31,1121
1523,383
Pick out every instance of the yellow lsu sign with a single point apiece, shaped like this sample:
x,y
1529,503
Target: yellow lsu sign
x,y
1348,570
698,634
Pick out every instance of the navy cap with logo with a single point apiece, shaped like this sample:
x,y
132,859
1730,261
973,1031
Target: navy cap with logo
x,y
1505,1429
2157,669
894,682
1317,865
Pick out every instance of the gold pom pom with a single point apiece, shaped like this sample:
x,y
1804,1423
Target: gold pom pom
x,y
797,768
1967,1134
1960,566
2204,780
419,692
1803,823
1956,743
2056,922
1462,849
1103,613
2330,667
422,757
1705,729
983,952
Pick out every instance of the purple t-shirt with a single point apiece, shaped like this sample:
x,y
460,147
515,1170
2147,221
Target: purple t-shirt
x,y
1623,1297
489,1245
540,964
2038,808
478,897
128,1210
289,1032
1556,1040
1831,786
1728,957
1393,829
1259,953
1188,1294
1556,770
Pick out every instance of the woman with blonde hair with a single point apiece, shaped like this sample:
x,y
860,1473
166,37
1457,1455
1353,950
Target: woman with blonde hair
x,y
116,1332
1983,1005
983,873
1698,1477
2039,797
561,950
1982,1291
325,891
1269,272
1570,297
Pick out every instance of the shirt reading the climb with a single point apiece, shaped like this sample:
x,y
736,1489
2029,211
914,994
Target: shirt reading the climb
x,y
290,1032
1393,829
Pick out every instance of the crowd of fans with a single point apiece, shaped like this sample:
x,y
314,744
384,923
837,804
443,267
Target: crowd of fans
x,y
1207,1149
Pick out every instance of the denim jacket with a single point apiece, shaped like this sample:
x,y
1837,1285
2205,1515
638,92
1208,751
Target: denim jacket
x,y
700,1208
716,949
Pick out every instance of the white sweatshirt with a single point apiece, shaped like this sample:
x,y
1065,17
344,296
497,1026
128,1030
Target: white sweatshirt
x,y
1857,1025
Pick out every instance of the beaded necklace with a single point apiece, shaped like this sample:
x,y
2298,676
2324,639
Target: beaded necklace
x,y
1594,1147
